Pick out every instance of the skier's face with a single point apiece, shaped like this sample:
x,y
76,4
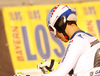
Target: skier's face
x,y
61,37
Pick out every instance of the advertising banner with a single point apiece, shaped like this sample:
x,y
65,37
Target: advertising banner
x,y
29,39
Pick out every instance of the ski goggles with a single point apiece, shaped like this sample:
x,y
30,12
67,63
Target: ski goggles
x,y
52,30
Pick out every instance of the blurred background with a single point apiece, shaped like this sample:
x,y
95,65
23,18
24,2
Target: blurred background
x,y
24,36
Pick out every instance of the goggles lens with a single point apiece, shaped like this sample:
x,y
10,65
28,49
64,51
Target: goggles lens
x,y
52,30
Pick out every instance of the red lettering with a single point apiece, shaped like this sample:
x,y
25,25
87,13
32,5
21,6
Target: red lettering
x,y
15,35
14,28
20,58
17,47
19,52
90,27
89,22
17,43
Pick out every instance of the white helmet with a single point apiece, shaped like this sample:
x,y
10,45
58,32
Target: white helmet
x,y
58,17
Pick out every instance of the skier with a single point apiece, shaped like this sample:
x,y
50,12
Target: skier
x,y
83,50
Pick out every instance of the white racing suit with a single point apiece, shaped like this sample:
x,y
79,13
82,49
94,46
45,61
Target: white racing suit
x,y
82,54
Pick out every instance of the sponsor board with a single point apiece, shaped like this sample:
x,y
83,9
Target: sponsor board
x,y
29,39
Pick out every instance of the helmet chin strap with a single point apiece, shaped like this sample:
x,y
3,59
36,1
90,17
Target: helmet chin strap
x,y
65,35
63,31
